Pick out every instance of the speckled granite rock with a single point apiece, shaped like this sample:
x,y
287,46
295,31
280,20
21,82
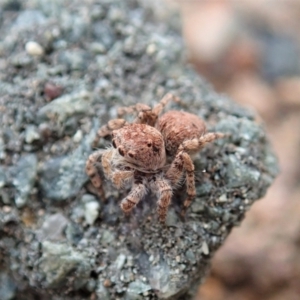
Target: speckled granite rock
x,y
97,56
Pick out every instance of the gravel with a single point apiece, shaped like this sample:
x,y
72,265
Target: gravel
x,y
65,67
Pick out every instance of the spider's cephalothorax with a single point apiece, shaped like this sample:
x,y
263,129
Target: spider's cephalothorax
x,y
137,157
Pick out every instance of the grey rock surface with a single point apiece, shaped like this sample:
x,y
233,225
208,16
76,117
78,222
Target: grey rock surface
x,y
53,245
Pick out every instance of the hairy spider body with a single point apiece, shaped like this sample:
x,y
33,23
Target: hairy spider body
x,y
184,134
140,150
137,158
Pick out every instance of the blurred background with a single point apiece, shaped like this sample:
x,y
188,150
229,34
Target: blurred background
x,y
249,50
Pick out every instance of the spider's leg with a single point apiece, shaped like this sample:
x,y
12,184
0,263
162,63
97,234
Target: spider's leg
x,y
158,108
92,167
108,128
176,170
163,191
196,144
132,109
183,163
138,191
190,179
144,113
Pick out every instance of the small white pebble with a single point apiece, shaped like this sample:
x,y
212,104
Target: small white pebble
x,y
77,136
91,211
223,198
34,49
204,248
6,209
151,49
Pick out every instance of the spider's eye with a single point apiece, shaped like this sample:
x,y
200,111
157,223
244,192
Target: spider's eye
x,y
149,144
121,151
114,143
130,154
127,168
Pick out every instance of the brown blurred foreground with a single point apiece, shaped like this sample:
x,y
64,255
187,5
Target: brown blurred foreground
x,y
250,50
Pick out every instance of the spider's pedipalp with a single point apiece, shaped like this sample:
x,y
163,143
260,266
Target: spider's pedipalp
x,y
92,168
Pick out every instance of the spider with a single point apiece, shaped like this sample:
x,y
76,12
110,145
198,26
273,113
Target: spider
x,y
137,157
181,134
184,135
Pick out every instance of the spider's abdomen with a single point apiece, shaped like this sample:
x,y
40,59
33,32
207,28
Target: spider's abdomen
x,y
178,126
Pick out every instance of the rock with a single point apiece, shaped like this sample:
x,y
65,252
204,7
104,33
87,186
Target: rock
x,y
53,228
60,261
120,261
138,287
102,292
91,208
98,251
62,178
73,60
74,233
24,178
29,19
66,106
52,91
3,177
7,287
34,49
31,134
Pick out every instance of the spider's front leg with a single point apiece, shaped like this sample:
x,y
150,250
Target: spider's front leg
x,y
163,191
139,107
143,111
138,191
108,128
158,108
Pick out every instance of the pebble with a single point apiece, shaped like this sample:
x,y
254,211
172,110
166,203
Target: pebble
x,y
78,136
120,261
31,134
58,260
223,198
24,178
204,248
91,212
34,49
66,106
53,227
138,287
8,288
3,177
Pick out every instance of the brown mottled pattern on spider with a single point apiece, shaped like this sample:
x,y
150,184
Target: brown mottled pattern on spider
x,y
184,135
137,157
141,148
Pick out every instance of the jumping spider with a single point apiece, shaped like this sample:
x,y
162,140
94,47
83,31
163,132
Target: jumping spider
x,y
134,158
138,156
